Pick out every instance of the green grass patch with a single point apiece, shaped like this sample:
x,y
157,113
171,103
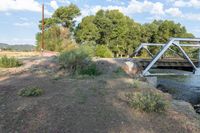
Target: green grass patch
x,y
31,92
147,101
9,62
90,70
119,72
136,84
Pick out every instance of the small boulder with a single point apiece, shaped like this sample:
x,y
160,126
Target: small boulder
x,y
131,68
197,108
184,107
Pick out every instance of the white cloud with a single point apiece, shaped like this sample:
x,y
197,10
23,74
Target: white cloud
x,y
21,5
64,1
186,3
54,4
134,6
192,16
156,9
7,14
23,19
175,12
23,24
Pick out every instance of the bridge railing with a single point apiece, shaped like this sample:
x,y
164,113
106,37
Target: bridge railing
x,y
177,42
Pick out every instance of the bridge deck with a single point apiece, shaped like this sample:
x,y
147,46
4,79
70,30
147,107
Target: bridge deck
x,y
171,63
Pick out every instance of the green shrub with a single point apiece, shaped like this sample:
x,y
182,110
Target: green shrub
x,y
30,91
103,51
119,71
78,61
7,62
90,70
89,49
147,101
74,60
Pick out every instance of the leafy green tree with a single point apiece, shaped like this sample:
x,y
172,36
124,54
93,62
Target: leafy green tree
x,y
107,28
111,28
159,31
48,22
52,38
65,15
59,28
87,31
103,51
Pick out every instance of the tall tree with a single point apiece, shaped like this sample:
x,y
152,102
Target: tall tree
x,y
87,31
65,15
58,28
111,28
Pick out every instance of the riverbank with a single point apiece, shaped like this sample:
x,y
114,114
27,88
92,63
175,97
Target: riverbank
x,y
84,103
182,88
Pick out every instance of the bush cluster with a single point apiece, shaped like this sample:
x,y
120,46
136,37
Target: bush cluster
x,y
78,61
74,59
30,91
7,62
103,51
147,101
90,70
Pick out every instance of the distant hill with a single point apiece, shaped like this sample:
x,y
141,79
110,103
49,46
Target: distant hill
x,y
17,47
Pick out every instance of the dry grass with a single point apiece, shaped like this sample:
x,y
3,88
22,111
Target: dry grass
x,y
82,105
19,54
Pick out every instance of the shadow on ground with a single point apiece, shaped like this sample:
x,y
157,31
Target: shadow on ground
x,y
79,105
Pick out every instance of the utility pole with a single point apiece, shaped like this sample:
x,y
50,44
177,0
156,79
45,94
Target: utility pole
x,y
42,47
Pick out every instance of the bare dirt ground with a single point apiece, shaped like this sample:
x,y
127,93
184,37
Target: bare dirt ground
x,y
81,104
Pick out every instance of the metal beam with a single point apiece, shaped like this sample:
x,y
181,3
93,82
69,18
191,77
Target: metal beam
x,y
172,42
159,44
186,56
148,51
155,59
137,50
175,52
182,45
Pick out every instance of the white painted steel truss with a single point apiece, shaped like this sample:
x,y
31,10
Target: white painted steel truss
x,y
179,43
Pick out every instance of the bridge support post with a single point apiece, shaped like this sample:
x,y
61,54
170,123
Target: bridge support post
x,y
199,58
197,72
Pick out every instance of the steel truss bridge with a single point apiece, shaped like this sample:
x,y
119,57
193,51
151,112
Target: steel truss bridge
x,y
156,61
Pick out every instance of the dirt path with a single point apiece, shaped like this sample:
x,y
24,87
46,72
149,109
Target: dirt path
x,y
79,105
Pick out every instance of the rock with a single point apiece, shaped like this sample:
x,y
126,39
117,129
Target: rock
x,y
130,65
130,68
162,88
152,81
197,108
184,107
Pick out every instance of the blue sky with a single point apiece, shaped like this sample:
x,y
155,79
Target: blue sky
x,y
19,18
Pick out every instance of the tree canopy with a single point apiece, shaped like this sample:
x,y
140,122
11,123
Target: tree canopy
x,y
122,34
110,28
58,28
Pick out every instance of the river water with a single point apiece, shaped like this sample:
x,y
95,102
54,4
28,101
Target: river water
x,y
185,88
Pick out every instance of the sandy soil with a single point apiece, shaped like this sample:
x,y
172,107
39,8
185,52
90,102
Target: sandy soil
x,y
80,104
